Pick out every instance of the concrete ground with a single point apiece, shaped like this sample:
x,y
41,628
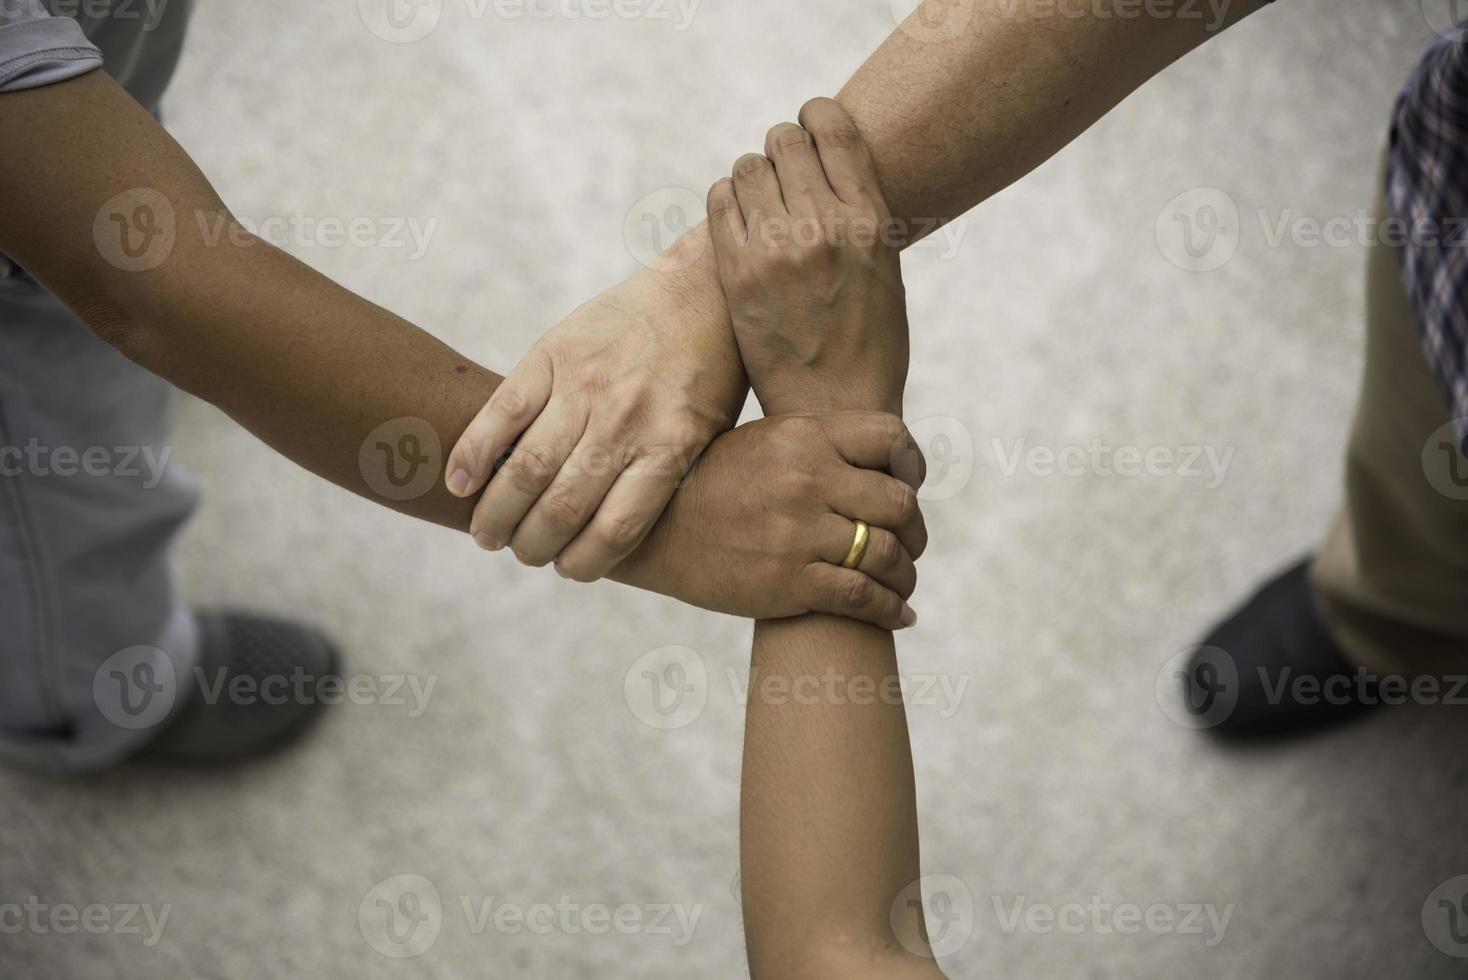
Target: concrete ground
x,y
1048,773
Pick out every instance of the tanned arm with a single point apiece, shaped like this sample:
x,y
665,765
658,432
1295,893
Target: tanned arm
x,y
828,817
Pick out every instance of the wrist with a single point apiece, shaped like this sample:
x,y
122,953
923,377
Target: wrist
x,y
788,393
685,280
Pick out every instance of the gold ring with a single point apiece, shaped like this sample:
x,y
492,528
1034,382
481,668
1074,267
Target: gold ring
x,y
858,548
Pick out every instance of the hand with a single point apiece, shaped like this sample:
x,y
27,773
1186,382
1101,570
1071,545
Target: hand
x,y
766,517
807,254
610,409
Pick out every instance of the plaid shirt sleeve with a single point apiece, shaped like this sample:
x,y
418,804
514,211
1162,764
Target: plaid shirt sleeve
x,y
1427,200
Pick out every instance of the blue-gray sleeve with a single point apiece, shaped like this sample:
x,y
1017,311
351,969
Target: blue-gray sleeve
x,y
39,49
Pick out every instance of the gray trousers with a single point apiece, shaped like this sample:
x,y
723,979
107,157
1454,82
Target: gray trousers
x,y
90,503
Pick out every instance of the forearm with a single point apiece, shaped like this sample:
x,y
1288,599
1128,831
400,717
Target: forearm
x,y
337,384
310,368
952,120
828,818
828,815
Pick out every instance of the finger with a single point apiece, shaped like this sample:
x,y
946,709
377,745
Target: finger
x,y
882,501
885,559
848,592
845,158
877,441
531,467
512,408
726,224
560,513
758,191
726,218
803,183
628,513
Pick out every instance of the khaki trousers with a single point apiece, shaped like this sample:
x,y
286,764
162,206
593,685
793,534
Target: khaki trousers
x,y
1392,575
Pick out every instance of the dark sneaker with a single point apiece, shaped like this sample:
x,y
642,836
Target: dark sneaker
x,y
1290,677
244,698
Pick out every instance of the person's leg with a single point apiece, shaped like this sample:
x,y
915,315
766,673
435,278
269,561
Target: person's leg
x,y
90,502
1388,592
1392,576
100,660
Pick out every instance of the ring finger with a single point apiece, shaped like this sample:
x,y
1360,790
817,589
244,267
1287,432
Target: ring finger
x,y
884,558
882,501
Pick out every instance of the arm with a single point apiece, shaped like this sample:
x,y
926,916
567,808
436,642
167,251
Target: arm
x,y
828,817
307,366
337,384
965,98
968,96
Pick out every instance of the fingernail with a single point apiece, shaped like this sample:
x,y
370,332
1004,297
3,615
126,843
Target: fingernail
x,y
486,542
908,618
458,483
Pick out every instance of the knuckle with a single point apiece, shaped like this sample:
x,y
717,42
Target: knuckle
x,y
565,510
597,381
681,438
532,559
624,415
833,123
802,429
750,165
884,549
801,483
818,105
663,463
798,444
841,136
510,403
741,279
919,460
579,570
820,254
721,205
909,586
620,534
530,467
529,555
892,504
675,446
858,591
905,504
893,429
788,136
